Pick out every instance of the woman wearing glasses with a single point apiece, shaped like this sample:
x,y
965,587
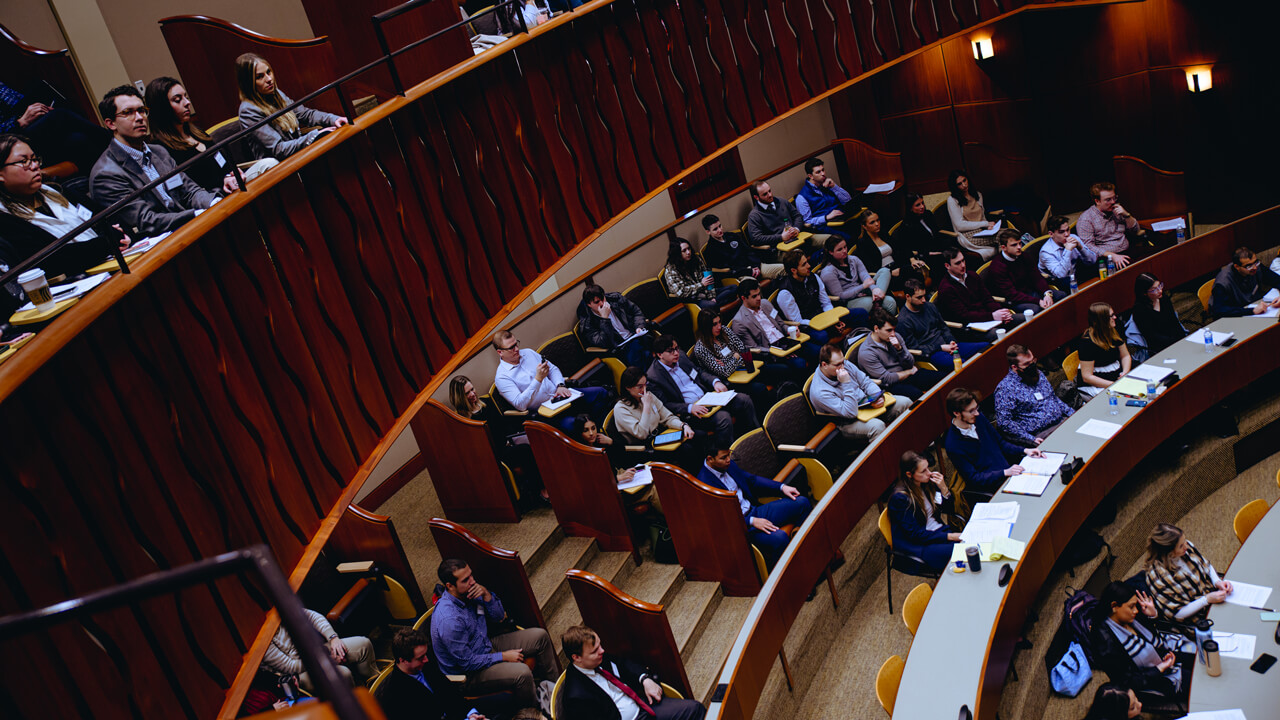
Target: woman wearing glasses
x,y
259,98
1153,315
1104,357
34,215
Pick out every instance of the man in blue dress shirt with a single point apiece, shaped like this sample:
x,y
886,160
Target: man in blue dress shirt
x,y
762,520
460,639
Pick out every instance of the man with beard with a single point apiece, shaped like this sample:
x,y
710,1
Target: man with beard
x,y
1026,407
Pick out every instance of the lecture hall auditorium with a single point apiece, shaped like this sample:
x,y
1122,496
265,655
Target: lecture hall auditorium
x,y
254,415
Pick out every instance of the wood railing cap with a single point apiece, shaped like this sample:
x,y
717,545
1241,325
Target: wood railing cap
x,y
24,46
242,31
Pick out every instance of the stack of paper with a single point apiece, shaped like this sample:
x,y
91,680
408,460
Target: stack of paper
x,y
984,326
1047,465
1006,511
880,187
1150,372
1129,387
1270,297
980,531
990,232
713,399
1197,338
71,290
1235,645
557,404
643,476
1098,428
1027,484
1005,549
1167,225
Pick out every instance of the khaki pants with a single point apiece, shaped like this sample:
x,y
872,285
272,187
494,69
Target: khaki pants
x,y
516,678
359,666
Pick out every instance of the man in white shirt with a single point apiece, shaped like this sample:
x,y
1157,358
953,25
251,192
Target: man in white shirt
x,y
526,380
600,686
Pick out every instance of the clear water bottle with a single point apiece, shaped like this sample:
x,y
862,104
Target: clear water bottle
x,y
1181,235
1111,266
1113,404
1208,341
1151,389
1072,279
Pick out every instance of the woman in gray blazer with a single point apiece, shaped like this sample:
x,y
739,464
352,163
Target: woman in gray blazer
x,y
259,98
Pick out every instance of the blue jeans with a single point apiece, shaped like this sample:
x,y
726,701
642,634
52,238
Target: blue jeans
x,y
942,360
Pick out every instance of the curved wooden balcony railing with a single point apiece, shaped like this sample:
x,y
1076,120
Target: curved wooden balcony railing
x,y
858,489
242,382
25,63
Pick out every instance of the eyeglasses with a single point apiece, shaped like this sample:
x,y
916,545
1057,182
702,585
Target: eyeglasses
x,y
32,162
141,111
1250,266
515,344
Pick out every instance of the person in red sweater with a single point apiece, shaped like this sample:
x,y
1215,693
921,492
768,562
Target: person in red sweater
x,y
1017,279
963,298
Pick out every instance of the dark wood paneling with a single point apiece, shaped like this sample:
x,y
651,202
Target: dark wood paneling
x,y
927,141
464,466
1006,126
205,50
26,66
917,83
709,181
362,535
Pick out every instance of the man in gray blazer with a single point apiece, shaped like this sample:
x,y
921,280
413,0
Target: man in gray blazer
x,y
759,324
129,163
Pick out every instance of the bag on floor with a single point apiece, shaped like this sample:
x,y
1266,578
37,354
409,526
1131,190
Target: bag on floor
x,y
1072,672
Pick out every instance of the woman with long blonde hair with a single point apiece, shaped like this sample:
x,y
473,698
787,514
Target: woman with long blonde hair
x,y
1104,357
260,98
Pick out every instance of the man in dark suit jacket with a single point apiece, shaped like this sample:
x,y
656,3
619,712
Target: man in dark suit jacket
x,y
675,381
129,163
598,686
416,689
763,520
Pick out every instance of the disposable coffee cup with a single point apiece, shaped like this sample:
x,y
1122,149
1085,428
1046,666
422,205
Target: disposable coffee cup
x,y
999,333
36,287
793,331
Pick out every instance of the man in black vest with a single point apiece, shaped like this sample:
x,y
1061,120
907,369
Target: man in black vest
x,y
598,686
801,296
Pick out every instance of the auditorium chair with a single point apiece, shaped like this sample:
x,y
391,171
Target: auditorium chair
x,y
1248,518
638,453
1205,294
795,431
671,317
899,560
754,453
1071,365
914,606
667,691
887,680
566,352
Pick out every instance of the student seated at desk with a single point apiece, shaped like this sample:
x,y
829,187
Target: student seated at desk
x,y
1016,278
465,401
887,359
763,520
675,381
921,326
1104,357
721,352
919,241
588,433
610,321
760,325
34,215
845,278
1183,583
688,280
639,414
259,98
1114,702
963,298
1125,647
1241,284
1154,319
969,215
1027,409
801,296
526,380
840,388
983,457
915,512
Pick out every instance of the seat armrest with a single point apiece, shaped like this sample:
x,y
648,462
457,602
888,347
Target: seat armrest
x,y
587,370
789,472
952,233
953,325
917,353
672,312
998,299
348,600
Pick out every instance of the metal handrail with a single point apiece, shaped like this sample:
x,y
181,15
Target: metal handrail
x,y
335,85
260,563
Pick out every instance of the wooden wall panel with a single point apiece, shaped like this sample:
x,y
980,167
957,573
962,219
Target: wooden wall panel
x,y
1007,126
917,83
927,141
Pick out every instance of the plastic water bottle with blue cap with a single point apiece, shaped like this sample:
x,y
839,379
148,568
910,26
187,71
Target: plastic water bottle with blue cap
x,y
1208,341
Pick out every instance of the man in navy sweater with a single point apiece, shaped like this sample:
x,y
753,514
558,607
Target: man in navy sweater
x,y
980,453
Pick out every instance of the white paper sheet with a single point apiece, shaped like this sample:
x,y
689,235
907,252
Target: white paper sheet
x,y
1098,428
1235,645
1167,225
643,476
713,399
1006,511
638,333
1027,484
1197,337
71,290
980,531
1271,295
1243,593
880,187
1234,714
557,404
1151,372
992,231
1047,465
985,326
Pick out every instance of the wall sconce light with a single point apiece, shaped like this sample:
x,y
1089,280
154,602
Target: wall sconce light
x,y
982,49
1199,79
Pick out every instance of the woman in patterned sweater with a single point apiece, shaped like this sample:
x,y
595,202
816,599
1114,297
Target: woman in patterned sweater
x,y
688,279
721,352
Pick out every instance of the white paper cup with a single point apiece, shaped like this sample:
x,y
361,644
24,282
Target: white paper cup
x,y
36,287
1000,334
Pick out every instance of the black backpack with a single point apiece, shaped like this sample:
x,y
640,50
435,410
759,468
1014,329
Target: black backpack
x,y
1076,613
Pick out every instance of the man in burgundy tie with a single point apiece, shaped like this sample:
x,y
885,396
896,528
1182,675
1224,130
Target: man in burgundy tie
x,y
605,687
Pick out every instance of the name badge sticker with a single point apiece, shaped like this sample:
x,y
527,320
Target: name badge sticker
x,y
1039,396
173,183
217,157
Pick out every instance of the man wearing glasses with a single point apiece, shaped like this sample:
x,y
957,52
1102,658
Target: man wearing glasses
x,y
1106,227
129,163
526,380
1239,288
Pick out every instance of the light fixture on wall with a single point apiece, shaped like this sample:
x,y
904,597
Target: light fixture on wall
x,y
1199,79
982,48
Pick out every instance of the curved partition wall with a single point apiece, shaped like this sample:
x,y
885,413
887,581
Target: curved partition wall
x,y
239,386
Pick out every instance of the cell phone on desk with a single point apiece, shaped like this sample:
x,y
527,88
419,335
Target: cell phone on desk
x,y
1263,663
1137,403
1228,343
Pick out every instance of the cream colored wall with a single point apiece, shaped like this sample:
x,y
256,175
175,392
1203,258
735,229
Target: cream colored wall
x,y
133,24
33,22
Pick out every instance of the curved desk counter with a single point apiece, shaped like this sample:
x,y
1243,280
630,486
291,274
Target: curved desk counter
x,y
1238,687
754,652
969,616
